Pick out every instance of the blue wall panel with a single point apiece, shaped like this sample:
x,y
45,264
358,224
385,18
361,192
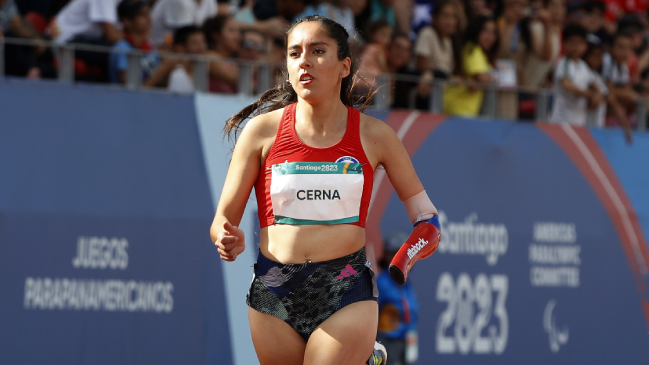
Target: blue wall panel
x,y
483,176
120,177
532,267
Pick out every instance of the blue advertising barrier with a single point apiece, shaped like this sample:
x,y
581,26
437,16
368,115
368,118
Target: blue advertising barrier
x,y
106,197
543,259
105,256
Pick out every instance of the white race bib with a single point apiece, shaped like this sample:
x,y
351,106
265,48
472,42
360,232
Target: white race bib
x,y
316,192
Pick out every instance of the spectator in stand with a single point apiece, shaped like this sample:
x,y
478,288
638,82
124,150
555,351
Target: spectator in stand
x,y
274,27
615,70
188,40
287,9
543,35
136,18
382,10
435,49
478,54
615,9
635,26
88,22
597,23
336,10
593,58
169,15
398,309
597,115
403,14
45,8
253,48
374,55
20,60
462,20
510,57
590,15
474,8
575,85
398,60
224,6
224,42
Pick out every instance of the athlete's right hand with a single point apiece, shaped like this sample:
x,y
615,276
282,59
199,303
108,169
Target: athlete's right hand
x,y
230,242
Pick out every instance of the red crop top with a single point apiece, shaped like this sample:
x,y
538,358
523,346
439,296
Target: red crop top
x,y
289,148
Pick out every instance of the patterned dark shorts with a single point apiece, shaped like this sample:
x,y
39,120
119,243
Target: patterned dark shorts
x,y
305,295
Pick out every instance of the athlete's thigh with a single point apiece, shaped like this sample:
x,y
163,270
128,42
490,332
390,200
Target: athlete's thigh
x,y
276,343
347,337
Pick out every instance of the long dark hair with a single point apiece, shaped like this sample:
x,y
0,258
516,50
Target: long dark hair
x,y
472,34
213,26
283,94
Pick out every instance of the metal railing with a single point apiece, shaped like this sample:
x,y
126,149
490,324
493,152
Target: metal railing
x,y
265,75
65,54
542,98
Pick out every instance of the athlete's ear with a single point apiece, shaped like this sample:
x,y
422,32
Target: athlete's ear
x,y
346,67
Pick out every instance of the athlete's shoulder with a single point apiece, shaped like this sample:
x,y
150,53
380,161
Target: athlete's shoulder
x,y
264,125
375,128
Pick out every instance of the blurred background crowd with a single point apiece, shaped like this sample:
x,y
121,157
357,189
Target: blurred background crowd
x,y
514,45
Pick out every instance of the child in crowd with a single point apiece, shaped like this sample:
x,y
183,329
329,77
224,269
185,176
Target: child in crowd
x,y
575,85
597,115
188,40
478,54
136,20
615,69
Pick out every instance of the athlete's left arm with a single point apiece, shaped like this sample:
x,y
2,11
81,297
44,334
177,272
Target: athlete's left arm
x,y
383,146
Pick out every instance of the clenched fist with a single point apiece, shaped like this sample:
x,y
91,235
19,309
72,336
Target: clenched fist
x,y
230,242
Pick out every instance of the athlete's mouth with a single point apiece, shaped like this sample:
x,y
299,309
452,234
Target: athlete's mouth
x,y
306,78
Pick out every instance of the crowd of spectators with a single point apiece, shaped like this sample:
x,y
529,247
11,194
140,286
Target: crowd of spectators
x,y
593,54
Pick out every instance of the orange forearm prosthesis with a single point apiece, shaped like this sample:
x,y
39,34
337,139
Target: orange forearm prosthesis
x,y
422,242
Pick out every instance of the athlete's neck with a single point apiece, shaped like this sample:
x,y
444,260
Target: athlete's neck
x,y
323,117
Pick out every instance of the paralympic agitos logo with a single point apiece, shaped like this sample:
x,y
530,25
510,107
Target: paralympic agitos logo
x,y
412,251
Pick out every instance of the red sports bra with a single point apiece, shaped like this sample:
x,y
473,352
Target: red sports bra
x,y
299,184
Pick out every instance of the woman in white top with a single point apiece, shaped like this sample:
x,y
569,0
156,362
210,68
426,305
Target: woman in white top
x,y
435,49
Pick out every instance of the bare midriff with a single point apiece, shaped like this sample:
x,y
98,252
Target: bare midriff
x,y
291,244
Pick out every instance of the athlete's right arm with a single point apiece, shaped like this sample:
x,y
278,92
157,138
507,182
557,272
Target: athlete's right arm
x,y
241,177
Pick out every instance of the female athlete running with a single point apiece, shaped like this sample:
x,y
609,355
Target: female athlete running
x,y
311,158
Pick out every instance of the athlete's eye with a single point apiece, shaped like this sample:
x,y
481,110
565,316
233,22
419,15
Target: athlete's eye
x,y
319,51
293,54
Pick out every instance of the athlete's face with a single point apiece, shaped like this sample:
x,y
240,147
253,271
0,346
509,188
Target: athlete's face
x,y
312,60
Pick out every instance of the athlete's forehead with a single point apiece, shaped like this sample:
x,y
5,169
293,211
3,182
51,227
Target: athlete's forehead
x,y
309,34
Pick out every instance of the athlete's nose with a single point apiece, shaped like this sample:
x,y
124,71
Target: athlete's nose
x,y
304,62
